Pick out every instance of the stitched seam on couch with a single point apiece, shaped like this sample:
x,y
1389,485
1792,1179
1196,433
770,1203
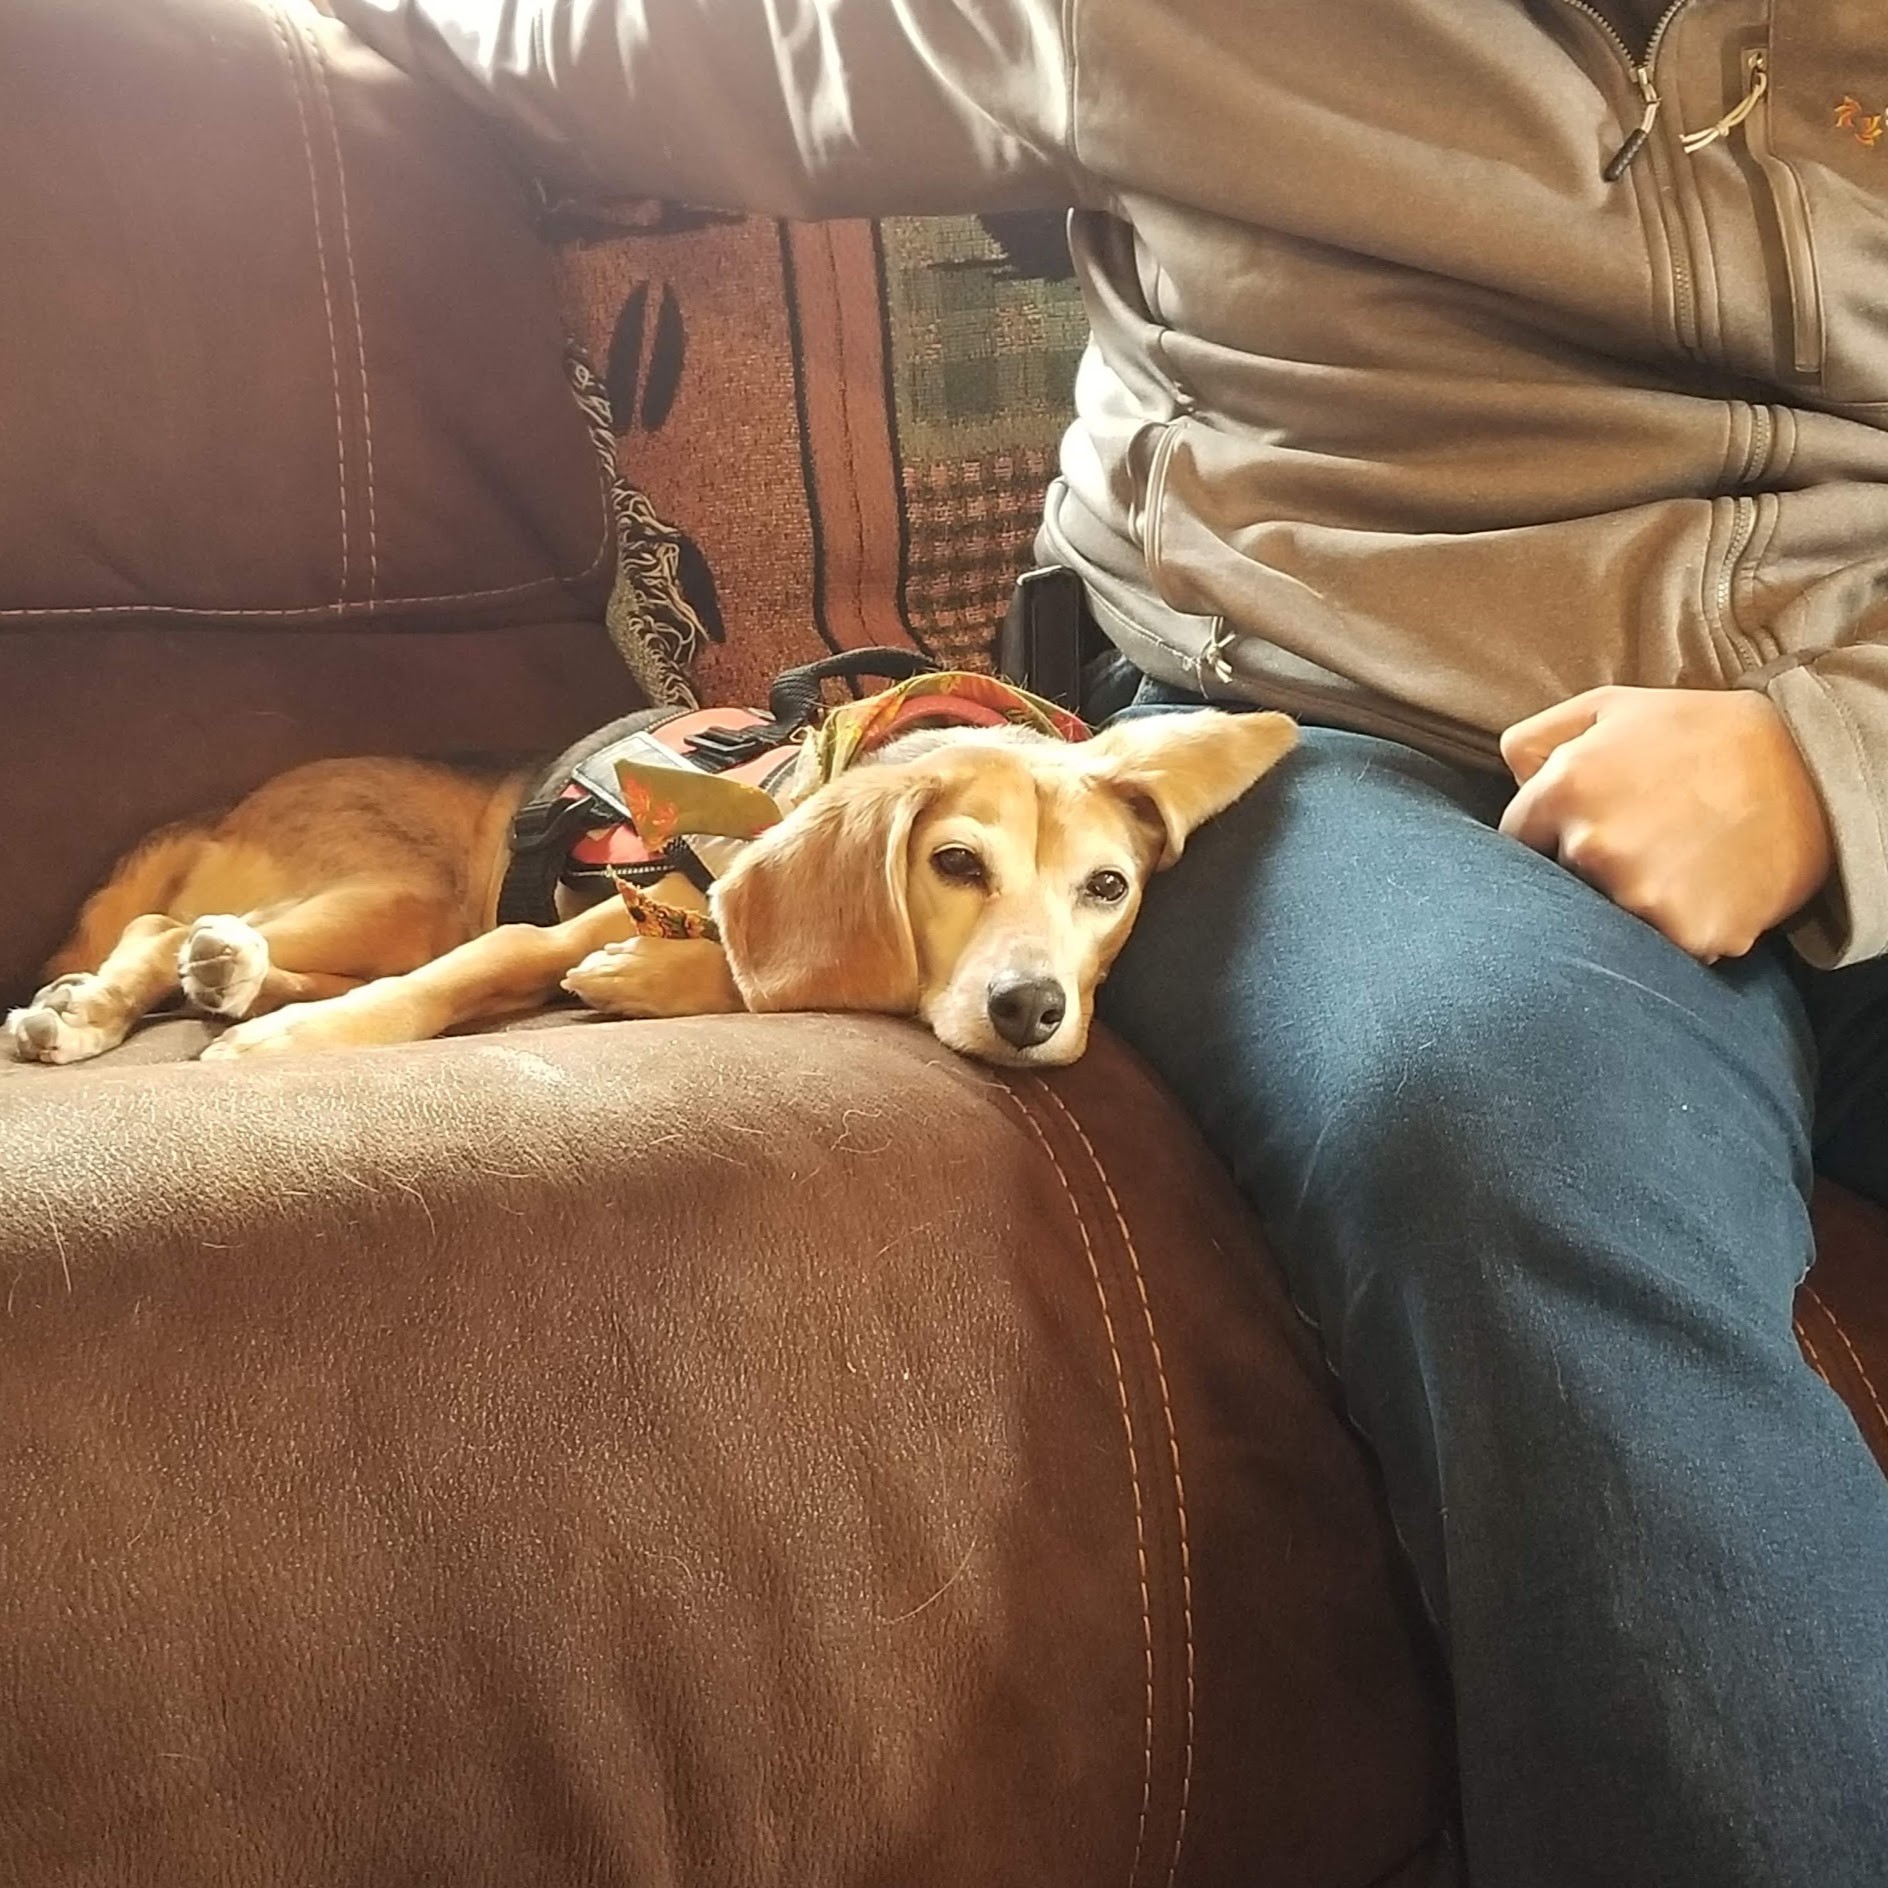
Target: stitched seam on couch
x,y
1810,1352
1854,1356
1173,1450
354,296
280,26
1151,1540
1134,1467
381,606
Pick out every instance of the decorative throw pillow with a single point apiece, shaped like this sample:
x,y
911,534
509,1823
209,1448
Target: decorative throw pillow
x,y
827,435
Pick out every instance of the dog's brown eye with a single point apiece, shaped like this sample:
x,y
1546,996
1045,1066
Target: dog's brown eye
x,y
1105,888
958,864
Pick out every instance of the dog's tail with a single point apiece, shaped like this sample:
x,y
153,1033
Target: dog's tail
x,y
146,879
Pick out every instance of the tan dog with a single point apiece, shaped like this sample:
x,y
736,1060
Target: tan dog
x,y
980,880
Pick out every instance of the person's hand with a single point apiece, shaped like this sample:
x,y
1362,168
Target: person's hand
x,y
1690,808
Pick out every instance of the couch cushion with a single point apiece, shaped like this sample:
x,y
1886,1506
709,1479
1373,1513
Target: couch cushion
x,y
280,342
751,1449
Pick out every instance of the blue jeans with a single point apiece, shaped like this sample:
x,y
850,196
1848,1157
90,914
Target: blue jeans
x,y
1539,1180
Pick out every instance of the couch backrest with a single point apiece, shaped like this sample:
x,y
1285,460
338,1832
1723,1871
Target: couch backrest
x,y
279,342
288,462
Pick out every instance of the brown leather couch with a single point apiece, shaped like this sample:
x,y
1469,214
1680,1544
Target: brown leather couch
x,y
742,1451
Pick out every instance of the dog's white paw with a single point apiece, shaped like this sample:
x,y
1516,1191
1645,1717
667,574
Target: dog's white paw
x,y
221,965
614,979
54,1026
655,977
281,1032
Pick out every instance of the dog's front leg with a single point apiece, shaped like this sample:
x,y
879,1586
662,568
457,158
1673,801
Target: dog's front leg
x,y
657,976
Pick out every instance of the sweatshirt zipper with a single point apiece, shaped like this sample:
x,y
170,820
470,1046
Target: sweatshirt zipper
x,y
1792,213
1640,67
1743,529
1684,295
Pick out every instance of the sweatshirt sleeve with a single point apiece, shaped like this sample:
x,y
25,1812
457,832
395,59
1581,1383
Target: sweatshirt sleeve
x,y
798,108
1836,706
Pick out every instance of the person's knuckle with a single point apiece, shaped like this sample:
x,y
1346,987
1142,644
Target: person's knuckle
x,y
1588,848
1694,937
1644,896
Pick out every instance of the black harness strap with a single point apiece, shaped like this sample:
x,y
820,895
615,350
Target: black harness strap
x,y
545,824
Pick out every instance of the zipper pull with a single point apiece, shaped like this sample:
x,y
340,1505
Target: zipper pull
x,y
1757,85
1616,166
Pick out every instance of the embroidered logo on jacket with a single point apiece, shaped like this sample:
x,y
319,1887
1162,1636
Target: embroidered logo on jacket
x,y
1867,127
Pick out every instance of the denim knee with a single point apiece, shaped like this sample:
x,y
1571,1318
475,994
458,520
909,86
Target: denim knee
x,y
1411,1038
1544,1121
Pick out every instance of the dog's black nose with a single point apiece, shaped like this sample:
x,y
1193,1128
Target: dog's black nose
x,y
1026,1010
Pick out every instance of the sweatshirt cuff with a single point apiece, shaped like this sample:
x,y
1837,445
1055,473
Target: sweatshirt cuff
x,y
1836,708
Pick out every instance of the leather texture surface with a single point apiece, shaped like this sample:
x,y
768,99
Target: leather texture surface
x,y
747,1450
1842,1310
237,242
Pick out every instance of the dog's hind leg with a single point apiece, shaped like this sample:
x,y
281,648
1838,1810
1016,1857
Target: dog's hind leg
x,y
86,1012
144,882
513,968
318,947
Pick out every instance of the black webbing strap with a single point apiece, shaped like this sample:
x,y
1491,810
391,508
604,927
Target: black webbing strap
x,y
794,701
794,698
545,825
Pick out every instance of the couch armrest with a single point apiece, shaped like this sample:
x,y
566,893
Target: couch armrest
x,y
750,1449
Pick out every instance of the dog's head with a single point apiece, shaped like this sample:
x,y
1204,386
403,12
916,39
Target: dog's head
x,y
982,880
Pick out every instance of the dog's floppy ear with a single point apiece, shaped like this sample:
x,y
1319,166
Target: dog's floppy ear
x,y
814,914
1181,768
